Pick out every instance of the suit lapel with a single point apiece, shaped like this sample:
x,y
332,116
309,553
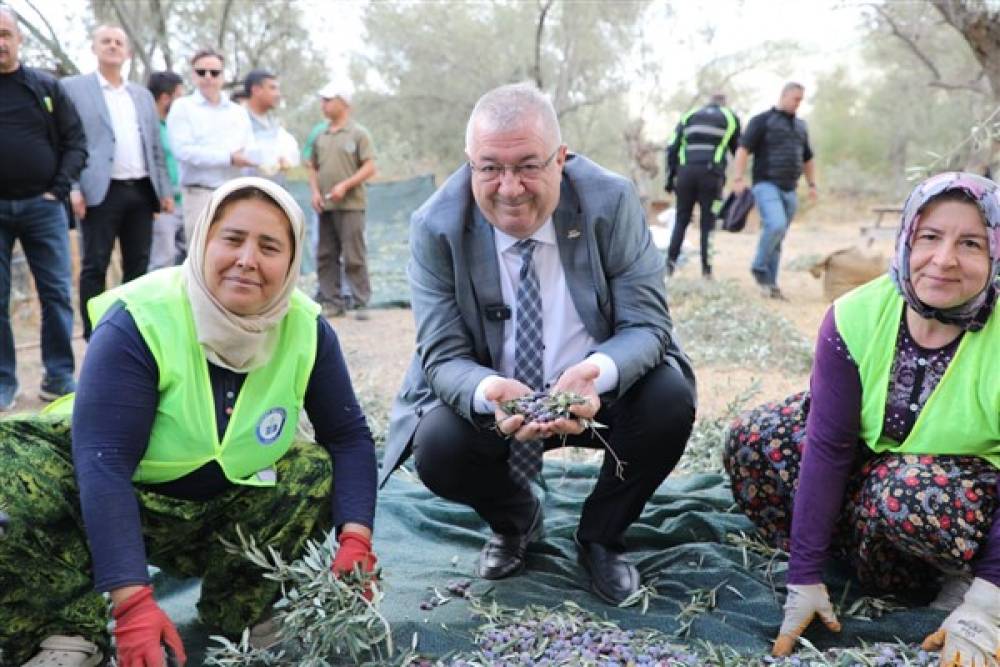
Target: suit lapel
x,y
102,106
572,238
485,274
137,100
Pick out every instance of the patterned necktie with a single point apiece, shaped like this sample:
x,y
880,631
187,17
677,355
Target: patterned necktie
x,y
526,457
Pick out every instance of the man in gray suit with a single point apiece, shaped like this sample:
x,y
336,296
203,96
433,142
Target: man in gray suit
x,y
531,262
126,180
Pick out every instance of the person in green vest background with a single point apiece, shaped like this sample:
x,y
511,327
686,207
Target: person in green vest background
x,y
890,461
183,425
696,172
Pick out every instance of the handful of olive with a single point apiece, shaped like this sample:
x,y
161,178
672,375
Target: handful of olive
x,y
543,408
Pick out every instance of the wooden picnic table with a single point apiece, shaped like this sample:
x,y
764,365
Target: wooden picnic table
x,y
877,229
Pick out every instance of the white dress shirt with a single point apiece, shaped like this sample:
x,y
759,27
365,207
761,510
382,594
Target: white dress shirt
x,y
203,137
564,337
129,162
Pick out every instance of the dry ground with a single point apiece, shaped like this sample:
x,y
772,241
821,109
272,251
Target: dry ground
x,y
379,349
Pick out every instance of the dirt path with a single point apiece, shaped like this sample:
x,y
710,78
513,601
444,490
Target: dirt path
x,y
378,350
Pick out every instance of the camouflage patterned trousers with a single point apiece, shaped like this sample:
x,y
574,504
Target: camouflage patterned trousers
x,y
46,584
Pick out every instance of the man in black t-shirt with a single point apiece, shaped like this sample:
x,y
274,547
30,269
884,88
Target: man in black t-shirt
x,y
779,142
42,150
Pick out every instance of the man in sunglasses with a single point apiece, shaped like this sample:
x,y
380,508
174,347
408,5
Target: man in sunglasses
x,y
533,270
210,136
125,181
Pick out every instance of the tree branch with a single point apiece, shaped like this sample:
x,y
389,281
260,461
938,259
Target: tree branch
x,y
971,86
161,31
65,64
223,23
589,102
910,43
137,47
539,29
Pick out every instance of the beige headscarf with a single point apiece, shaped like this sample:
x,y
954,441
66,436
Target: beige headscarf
x,y
239,342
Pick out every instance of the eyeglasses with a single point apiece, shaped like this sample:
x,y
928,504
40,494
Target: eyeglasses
x,y
526,171
208,72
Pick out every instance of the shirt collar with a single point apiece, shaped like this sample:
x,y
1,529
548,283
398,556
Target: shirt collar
x,y
545,234
106,85
344,128
201,99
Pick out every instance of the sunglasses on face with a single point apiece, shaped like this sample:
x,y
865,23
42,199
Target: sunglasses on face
x,y
207,72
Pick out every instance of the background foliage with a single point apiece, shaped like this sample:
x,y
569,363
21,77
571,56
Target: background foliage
x,y
929,75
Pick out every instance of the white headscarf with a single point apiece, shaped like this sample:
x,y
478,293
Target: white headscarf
x,y
240,343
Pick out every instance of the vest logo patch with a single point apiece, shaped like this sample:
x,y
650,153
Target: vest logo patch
x,y
270,425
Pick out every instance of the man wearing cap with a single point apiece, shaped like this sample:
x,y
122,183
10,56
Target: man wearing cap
x,y
211,137
276,151
342,159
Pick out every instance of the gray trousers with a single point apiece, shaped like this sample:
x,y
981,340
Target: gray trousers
x,y
342,247
164,249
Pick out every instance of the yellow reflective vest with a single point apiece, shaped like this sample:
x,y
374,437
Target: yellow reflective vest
x,y
962,414
184,436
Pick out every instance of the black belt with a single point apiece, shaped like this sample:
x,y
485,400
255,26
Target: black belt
x,y
130,182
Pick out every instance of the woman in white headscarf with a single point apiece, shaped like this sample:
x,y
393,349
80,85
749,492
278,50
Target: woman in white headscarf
x,y
184,425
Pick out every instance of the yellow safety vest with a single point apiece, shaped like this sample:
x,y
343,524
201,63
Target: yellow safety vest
x,y
962,414
184,436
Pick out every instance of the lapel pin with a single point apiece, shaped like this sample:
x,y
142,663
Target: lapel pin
x,y
573,234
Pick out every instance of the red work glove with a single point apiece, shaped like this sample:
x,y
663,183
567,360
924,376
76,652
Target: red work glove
x,y
355,549
141,629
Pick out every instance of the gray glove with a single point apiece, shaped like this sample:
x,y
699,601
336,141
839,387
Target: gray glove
x,y
804,603
970,636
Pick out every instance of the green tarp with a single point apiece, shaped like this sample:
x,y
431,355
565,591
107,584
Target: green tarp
x,y
678,544
390,205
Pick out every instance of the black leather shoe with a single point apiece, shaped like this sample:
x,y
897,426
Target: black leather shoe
x,y
612,577
503,555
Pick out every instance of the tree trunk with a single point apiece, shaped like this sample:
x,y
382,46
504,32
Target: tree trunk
x,y
979,24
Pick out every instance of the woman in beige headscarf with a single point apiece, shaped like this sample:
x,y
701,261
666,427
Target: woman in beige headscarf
x,y
186,414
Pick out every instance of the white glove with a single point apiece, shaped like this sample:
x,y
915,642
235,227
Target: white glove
x,y
970,636
803,603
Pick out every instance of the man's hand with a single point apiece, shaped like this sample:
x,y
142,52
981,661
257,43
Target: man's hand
x,y
506,389
971,634
804,602
317,201
813,192
78,203
141,630
339,191
578,379
167,205
739,185
239,159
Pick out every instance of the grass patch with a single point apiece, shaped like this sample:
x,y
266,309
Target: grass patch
x,y
719,324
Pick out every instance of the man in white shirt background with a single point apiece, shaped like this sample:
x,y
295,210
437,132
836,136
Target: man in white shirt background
x,y
276,150
210,136
125,181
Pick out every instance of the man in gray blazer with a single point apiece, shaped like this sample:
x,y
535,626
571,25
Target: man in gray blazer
x,y
534,270
125,181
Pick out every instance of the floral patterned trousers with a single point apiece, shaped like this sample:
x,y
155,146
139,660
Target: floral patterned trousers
x,y
906,518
